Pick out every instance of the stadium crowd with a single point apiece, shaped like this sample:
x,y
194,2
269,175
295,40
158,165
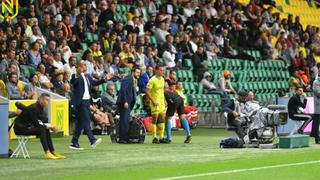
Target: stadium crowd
x,y
52,35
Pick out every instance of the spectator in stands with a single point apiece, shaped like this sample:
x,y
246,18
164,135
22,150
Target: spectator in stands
x,y
30,88
59,85
12,88
43,77
144,79
140,58
186,48
22,53
127,56
71,66
169,57
65,51
225,82
161,33
109,99
199,61
34,55
66,26
36,34
207,83
172,77
101,118
88,56
57,61
10,59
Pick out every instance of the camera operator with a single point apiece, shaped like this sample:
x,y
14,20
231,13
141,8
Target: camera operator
x,y
296,106
234,109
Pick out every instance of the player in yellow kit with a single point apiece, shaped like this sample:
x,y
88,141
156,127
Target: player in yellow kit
x,y
155,92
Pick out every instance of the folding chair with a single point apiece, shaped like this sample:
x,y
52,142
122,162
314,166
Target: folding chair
x,y
22,141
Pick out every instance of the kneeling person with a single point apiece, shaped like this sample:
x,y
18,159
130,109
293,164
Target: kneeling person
x,y
28,123
175,103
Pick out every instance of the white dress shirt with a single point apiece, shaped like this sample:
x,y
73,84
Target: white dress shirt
x,y
86,94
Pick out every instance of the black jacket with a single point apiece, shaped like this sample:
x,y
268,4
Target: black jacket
x,y
294,103
31,116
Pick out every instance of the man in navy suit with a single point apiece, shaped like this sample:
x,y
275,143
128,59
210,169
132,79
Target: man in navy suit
x,y
80,98
126,100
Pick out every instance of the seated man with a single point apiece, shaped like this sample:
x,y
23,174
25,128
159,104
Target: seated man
x,y
29,123
296,106
109,99
13,89
234,110
225,82
103,119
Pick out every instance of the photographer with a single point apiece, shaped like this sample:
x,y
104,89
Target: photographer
x,y
28,123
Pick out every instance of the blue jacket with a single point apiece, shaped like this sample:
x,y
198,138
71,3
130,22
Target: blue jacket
x,y
127,92
143,81
78,87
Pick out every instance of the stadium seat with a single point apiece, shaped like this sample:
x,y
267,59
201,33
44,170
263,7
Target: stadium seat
x,y
188,63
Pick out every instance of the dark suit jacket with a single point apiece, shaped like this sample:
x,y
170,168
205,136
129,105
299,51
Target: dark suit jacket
x,y
127,92
293,105
78,87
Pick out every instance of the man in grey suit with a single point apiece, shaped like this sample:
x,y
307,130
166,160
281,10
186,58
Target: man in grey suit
x,y
316,117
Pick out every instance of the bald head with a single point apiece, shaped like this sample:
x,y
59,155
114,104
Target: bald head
x,y
82,66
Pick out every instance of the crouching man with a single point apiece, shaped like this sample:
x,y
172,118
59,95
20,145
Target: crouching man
x,y
28,123
234,109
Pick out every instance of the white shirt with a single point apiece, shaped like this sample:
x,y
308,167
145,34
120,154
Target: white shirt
x,y
67,68
86,94
169,59
58,65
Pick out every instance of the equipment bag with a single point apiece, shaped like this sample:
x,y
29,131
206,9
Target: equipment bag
x,y
231,142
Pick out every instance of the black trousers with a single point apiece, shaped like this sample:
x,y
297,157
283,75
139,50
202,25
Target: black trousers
x,y
315,127
42,132
302,117
237,125
124,123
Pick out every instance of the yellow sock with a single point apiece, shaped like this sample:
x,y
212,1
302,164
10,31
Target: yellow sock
x,y
154,130
161,127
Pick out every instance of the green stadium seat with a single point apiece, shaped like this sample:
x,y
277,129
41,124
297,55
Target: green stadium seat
x,y
188,64
84,46
95,37
126,71
88,36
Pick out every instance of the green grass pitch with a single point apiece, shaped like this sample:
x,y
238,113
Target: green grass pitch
x,y
202,159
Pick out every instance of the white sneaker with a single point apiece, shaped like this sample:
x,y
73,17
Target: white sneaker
x,y
96,143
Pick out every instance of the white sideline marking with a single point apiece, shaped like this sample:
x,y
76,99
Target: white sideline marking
x,y
238,170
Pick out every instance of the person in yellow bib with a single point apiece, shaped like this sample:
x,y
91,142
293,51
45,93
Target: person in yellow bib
x,y
155,92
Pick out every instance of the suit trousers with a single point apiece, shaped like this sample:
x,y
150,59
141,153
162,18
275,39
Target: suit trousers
x,y
124,124
315,127
83,122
